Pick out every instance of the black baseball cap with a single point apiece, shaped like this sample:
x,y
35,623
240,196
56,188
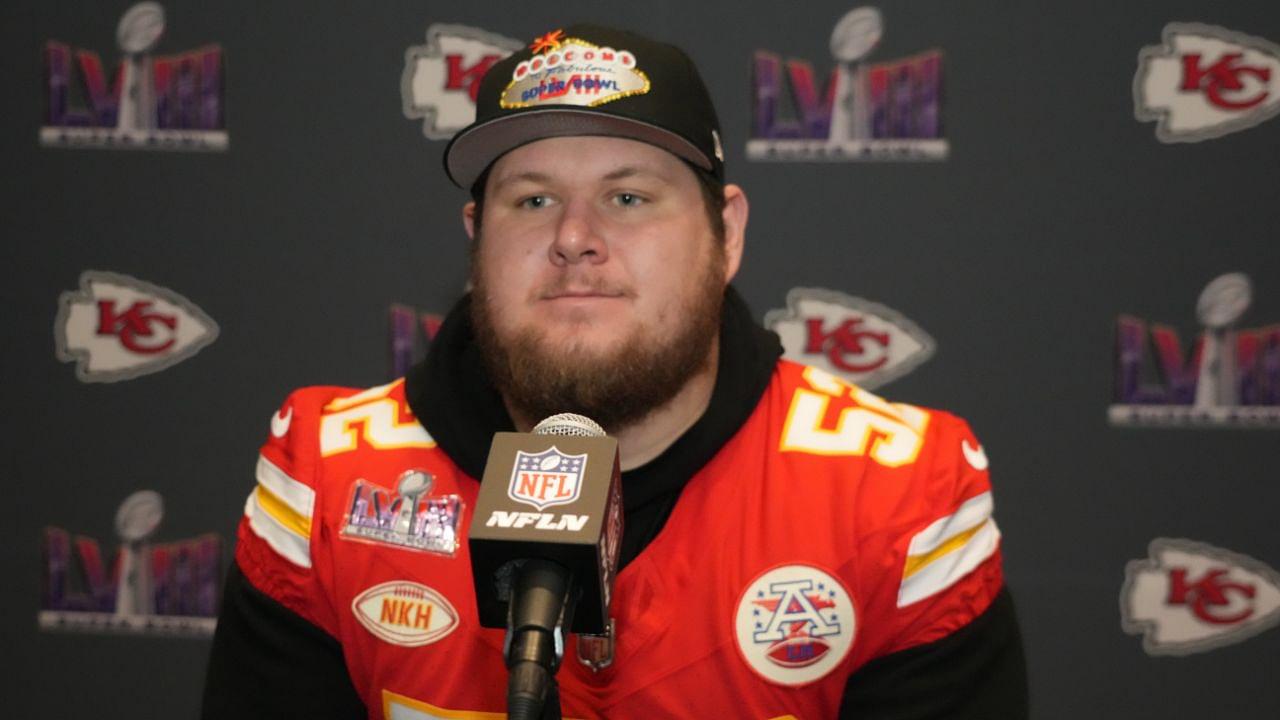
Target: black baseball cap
x,y
589,80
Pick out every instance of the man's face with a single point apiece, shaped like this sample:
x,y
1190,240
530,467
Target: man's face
x,y
597,278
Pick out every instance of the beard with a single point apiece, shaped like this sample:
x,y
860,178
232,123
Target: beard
x,y
617,386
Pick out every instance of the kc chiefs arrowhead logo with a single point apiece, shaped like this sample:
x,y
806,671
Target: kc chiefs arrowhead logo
x,y
1206,81
116,327
862,341
441,79
1189,597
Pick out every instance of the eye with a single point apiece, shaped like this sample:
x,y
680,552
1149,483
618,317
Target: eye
x,y
627,199
535,202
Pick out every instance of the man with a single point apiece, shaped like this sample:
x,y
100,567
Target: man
x,y
793,546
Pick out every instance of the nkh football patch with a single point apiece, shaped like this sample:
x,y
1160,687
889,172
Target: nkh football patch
x,y
794,624
405,613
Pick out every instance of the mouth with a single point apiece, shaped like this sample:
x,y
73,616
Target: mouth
x,y
585,295
580,304
582,293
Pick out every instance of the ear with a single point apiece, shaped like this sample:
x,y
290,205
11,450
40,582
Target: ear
x,y
735,228
469,219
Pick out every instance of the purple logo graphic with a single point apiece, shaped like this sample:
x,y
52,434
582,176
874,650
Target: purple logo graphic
x,y
409,328
409,518
865,111
1227,377
152,102
153,589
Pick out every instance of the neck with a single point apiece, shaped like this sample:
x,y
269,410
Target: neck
x,y
647,438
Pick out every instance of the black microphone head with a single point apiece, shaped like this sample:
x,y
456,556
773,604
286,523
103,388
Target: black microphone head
x,y
570,425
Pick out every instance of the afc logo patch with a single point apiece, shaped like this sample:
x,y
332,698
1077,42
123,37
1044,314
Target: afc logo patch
x,y
794,624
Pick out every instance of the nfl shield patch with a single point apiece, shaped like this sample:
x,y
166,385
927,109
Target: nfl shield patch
x,y
547,478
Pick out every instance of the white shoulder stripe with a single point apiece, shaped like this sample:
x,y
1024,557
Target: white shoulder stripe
x,y
296,495
291,546
950,568
972,513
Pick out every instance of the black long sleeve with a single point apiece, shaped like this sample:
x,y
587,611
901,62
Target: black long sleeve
x,y
267,662
976,673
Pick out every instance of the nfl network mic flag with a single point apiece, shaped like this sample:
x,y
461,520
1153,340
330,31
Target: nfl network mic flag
x,y
552,497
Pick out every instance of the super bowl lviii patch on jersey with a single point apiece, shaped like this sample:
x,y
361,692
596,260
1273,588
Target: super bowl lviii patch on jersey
x,y
410,518
794,624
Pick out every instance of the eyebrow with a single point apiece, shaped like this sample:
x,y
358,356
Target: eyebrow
x,y
621,173
534,177
629,171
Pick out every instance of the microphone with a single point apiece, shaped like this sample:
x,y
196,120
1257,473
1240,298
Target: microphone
x,y
544,544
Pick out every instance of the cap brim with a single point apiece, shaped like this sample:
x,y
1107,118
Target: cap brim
x,y
475,148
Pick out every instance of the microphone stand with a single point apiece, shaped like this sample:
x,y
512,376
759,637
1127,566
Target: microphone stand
x,y
539,610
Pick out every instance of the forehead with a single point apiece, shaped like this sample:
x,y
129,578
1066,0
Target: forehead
x,y
589,158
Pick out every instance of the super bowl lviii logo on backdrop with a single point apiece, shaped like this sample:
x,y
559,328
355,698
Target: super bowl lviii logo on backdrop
x,y
441,79
890,110
863,341
153,102
165,589
1228,376
1205,81
116,327
411,331
1188,597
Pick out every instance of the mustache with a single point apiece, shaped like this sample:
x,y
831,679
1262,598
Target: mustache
x,y
583,286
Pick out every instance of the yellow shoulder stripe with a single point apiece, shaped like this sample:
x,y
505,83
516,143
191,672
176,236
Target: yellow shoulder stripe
x,y
280,511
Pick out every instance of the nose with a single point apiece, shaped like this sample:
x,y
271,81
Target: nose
x,y
577,237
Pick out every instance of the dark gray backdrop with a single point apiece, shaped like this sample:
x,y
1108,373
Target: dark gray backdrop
x,y
1056,211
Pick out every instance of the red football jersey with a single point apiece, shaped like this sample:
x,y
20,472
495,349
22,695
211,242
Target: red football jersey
x,y
832,529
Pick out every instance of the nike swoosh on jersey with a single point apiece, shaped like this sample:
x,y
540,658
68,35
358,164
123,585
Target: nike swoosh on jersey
x,y
280,423
975,455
